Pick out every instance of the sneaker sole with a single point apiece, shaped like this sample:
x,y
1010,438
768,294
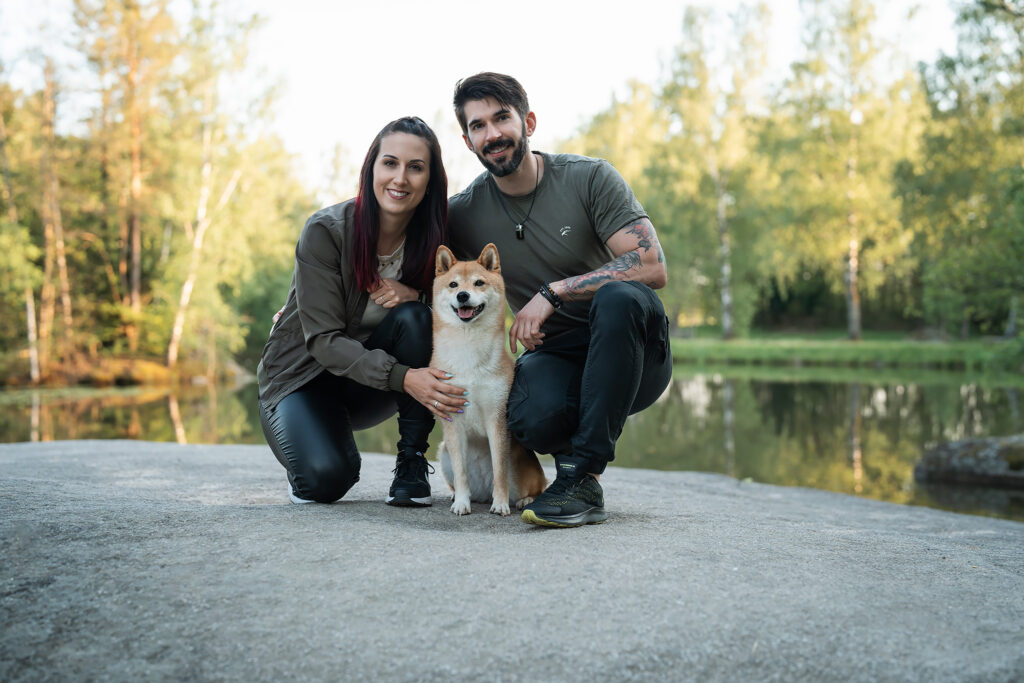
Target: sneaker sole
x,y
408,502
296,500
592,516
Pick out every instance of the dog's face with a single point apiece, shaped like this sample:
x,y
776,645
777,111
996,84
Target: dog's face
x,y
467,291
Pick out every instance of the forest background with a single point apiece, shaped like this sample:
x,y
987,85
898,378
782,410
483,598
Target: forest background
x,y
851,194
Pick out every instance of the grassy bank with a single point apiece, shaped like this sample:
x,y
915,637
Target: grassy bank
x,y
876,350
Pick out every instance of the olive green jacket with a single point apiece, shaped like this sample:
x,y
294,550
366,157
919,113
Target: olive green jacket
x,y
320,326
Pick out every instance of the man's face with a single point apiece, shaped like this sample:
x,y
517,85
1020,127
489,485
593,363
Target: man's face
x,y
497,135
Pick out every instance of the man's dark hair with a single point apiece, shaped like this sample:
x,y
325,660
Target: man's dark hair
x,y
505,89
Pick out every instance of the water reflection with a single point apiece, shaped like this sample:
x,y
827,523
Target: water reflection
x,y
856,437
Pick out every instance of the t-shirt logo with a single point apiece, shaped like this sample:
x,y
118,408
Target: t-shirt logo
x,y
566,230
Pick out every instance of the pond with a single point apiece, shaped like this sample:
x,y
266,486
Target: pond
x,y
851,431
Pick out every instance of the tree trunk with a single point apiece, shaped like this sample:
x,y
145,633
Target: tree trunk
x,y
117,286
30,298
135,194
1011,322
52,198
202,224
853,321
728,325
724,251
47,300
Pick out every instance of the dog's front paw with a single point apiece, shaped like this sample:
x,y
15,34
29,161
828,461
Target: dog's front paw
x,y
523,502
461,505
500,509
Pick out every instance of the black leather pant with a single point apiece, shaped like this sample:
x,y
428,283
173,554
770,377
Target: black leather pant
x,y
310,429
572,394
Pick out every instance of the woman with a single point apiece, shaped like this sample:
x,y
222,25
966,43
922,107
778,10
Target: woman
x,y
353,342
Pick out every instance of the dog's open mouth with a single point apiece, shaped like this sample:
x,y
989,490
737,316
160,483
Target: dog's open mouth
x,y
467,313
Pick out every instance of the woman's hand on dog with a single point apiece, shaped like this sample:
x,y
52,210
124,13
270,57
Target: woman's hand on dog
x,y
526,326
429,386
392,292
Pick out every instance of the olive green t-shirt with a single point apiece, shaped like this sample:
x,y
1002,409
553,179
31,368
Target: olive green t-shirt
x,y
580,202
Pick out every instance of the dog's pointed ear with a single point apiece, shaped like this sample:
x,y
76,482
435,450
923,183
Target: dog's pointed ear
x,y
444,260
489,258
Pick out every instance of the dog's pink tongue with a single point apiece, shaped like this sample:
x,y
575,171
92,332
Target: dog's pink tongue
x,y
466,312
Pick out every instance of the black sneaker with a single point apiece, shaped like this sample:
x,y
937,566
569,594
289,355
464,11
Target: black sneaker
x,y
575,498
411,487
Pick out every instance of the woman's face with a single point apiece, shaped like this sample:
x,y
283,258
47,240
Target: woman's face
x,y
401,174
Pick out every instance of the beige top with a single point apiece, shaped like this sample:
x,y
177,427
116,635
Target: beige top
x,y
389,266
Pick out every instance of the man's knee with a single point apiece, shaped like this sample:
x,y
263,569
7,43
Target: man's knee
x,y
617,300
542,423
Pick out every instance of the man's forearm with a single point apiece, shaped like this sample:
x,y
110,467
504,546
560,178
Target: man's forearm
x,y
628,266
639,259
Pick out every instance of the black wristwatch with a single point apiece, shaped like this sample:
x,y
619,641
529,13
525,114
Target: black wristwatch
x,y
549,294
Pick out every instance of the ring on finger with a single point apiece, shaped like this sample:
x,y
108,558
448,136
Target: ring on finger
x,y
435,404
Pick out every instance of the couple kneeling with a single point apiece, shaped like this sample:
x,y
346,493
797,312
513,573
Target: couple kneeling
x,y
580,261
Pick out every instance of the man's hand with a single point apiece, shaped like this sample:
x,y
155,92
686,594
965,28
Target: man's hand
x,y
526,326
392,292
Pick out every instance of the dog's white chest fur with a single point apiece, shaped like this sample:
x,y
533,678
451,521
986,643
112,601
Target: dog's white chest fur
x,y
488,373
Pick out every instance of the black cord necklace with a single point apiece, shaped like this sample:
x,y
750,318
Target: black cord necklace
x,y
519,224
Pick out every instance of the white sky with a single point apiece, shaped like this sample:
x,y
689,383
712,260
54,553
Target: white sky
x,y
347,68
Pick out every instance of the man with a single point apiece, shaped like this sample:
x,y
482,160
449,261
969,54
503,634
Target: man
x,y
581,261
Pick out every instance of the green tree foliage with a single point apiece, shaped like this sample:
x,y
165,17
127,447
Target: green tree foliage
x,y
713,99
962,200
180,212
840,126
860,185
687,150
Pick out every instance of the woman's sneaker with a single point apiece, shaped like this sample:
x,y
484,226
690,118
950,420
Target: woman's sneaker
x,y
291,493
575,498
411,486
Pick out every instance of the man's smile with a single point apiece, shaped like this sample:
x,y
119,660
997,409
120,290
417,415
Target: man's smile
x,y
498,147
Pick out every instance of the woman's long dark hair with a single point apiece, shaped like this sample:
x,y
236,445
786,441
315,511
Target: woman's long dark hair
x,y
427,229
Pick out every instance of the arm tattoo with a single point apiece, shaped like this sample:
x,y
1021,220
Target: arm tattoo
x,y
580,284
646,239
622,267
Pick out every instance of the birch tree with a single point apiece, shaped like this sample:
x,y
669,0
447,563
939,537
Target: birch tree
x,y
713,98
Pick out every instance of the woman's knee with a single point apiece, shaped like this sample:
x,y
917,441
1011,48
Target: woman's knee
x,y
325,481
414,317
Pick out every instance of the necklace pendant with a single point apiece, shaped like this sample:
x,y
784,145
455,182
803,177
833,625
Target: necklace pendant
x,y
519,231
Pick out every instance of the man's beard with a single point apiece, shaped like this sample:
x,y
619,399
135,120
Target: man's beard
x,y
505,168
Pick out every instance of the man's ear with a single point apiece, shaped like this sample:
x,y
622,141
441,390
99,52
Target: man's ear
x,y
444,260
489,258
531,122
469,145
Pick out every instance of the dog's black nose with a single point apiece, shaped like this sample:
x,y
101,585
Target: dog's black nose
x,y
463,297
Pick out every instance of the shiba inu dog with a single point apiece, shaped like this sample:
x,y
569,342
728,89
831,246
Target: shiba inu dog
x,y
479,458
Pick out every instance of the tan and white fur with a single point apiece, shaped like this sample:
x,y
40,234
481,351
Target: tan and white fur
x,y
480,460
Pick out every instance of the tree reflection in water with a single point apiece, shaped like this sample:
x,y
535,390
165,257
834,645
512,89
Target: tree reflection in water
x,y
859,436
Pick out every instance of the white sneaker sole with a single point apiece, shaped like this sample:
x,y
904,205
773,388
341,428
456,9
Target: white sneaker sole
x,y
295,499
390,500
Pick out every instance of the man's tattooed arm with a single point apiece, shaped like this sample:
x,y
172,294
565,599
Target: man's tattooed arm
x,y
638,257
